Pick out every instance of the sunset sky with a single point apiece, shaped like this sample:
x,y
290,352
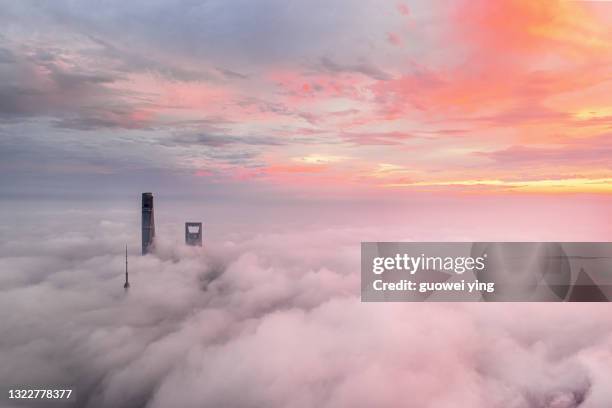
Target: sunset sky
x,y
295,130
319,99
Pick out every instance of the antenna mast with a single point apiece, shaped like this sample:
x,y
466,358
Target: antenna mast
x,y
126,286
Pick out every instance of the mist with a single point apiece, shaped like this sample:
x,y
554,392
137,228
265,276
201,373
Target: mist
x,y
271,316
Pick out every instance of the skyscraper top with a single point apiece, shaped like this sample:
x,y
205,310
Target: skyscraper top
x,y
148,223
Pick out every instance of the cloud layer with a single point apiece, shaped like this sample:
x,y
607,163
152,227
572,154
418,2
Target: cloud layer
x,y
272,319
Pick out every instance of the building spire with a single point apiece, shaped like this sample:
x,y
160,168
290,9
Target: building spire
x,y
126,286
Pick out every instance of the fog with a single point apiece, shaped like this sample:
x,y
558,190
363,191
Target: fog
x,y
271,316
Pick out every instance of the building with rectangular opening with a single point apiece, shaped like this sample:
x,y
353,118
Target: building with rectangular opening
x,y
193,233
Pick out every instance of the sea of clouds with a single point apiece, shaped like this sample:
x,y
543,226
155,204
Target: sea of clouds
x,y
271,319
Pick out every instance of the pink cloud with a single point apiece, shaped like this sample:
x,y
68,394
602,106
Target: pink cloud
x,y
394,39
528,26
403,9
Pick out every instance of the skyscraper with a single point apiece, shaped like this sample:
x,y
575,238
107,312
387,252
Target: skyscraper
x,y
148,223
193,233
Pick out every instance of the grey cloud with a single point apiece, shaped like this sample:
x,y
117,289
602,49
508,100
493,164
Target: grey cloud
x,y
232,74
280,109
6,56
232,34
41,85
38,159
19,101
363,68
245,159
103,119
593,151
134,61
185,41
71,80
36,152
377,138
204,139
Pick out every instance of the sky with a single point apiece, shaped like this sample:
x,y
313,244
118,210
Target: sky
x,y
296,130
320,101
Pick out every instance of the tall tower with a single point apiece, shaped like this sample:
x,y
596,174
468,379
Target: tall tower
x,y
148,223
193,233
126,286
